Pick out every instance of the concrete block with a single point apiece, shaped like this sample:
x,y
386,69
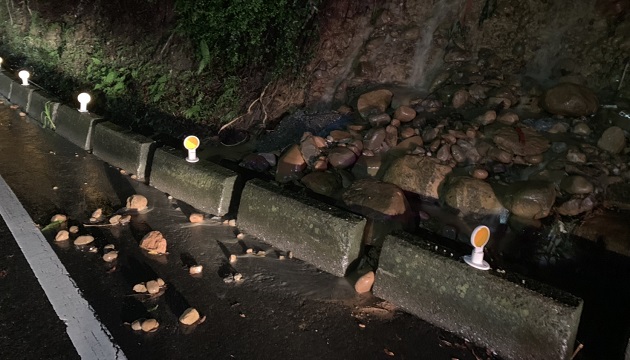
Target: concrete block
x,y
123,148
76,126
5,84
40,105
21,95
519,319
323,235
204,185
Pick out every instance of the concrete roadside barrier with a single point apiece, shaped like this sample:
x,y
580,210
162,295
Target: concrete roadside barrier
x,y
42,108
325,236
123,148
5,84
76,126
518,318
206,186
21,95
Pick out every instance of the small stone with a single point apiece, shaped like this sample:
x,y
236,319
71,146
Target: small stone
x,y
93,220
97,213
233,259
110,256
612,140
576,184
160,282
93,249
364,283
195,218
460,98
140,288
195,269
83,240
136,325
22,114
480,174
508,118
123,172
487,118
13,107
232,222
55,187
125,220
153,287
62,235
581,129
261,253
134,176
290,254
281,257
238,277
249,251
150,325
155,242
59,218
109,247
115,220
137,202
189,317
240,236
405,114
74,229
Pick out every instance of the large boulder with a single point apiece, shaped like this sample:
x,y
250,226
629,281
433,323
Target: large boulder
x,y
321,182
418,174
471,196
569,99
374,102
290,165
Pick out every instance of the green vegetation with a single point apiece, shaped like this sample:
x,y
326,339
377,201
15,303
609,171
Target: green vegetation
x,y
202,67
243,33
47,120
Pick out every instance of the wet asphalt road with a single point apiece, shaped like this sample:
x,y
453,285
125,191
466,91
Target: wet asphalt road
x,y
283,309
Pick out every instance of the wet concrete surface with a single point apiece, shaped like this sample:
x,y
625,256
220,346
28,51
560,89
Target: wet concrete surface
x,y
283,308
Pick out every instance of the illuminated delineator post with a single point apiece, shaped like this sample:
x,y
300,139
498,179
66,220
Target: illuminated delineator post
x,y
191,143
1,63
479,238
24,75
84,99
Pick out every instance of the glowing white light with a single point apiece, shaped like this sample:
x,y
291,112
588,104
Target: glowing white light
x,y
24,75
84,99
1,62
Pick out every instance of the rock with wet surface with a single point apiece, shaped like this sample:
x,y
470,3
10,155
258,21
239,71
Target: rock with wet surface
x,y
153,287
341,157
137,202
83,240
150,325
62,235
195,218
471,196
374,102
522,141
612,140
418,174
110,256
576,184
322,182
575,206
58,218
372,197
290,165
530,199
154,242
311,147
364,283
255,162
569,99
115,220
189,317
405,114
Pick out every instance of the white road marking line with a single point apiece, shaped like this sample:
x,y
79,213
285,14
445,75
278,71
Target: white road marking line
x,y
90,338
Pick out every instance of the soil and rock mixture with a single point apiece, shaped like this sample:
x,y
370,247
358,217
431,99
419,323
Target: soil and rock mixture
x,y
510,114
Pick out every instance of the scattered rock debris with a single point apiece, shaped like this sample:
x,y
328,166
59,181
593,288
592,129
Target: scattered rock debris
x,y
59,218
195,218
110,256
195,269
150,325
83,240
137,202
154,242
364,283
189,317
62,235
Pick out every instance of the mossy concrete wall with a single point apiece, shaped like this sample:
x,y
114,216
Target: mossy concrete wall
x,y
484,306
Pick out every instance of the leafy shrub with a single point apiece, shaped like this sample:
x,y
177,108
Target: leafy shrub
x,y
234,34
